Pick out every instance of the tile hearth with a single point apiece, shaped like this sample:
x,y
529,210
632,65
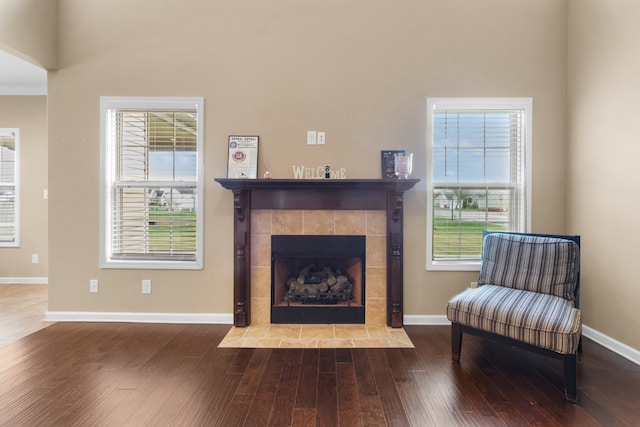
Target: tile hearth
x,y
316,336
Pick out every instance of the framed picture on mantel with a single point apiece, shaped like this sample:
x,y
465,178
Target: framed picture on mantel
x,y
243,157
389,163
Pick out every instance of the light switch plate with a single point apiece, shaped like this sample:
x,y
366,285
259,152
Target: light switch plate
x,y
311,137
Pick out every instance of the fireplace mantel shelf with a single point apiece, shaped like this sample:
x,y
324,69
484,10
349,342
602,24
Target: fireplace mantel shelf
x,y
322,184
317,194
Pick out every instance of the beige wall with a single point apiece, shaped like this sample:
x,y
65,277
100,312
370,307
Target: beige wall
x,y
29,114
28,29
360,70
603,153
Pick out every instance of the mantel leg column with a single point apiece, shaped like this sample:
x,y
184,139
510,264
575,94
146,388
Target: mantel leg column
x,y
394,259
242,259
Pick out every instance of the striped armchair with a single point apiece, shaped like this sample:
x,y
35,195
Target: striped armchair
x,y
527,297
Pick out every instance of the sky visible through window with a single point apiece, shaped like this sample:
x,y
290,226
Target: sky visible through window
x,y
471,147
161,166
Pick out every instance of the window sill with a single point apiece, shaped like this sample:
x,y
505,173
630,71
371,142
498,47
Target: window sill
x,y
453,266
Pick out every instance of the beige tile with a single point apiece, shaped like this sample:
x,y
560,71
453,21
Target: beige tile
x,y
335,343
317,331
261,343
231,342
350,331
256,331
376,285
287,222
376,223
376,251
260,311
284,331
261,221
261,250
298,343
371,343
376,311
378,331
350,222
254,337
235,332
318,222
261,282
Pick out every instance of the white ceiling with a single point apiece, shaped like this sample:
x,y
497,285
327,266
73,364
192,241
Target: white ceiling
x,y
19,77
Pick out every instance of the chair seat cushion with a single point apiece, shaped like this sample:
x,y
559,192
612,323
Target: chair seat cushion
x,y
538,319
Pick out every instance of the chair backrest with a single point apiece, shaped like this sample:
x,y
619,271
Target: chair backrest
x,y
535,262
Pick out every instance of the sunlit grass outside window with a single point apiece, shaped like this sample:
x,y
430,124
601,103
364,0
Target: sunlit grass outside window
x,y
460,239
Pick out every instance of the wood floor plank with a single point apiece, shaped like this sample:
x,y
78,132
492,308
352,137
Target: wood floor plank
x,y
303,418
364,374
285,400
307,391
263,402
348,402
253,373
327,405
327,360
394,412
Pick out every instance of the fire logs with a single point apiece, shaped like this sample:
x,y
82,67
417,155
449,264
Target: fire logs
x,y
314,285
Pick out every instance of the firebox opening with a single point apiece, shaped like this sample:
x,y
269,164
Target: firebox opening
x,y
317,279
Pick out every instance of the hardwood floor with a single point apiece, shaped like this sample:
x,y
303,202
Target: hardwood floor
x,y
117,374
22,309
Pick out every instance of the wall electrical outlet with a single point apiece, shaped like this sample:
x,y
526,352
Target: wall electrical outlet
x,y
93,285
311,137
322,136
146,286
35,259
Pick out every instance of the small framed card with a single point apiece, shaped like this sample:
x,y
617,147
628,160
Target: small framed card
x,y
388,163
243,157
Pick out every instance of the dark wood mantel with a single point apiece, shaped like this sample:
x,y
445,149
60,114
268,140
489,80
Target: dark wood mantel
x,y
315,194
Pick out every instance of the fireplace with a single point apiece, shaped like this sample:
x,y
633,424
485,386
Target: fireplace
x,y
318,279
317,195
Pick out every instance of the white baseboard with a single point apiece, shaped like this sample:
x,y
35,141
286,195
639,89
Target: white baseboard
x,y
420,319
24,280
93,316
617,347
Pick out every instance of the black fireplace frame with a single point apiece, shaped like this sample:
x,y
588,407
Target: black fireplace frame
x,y
306,246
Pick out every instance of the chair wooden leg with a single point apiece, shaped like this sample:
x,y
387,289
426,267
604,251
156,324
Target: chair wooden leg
x,y
456,341
570,377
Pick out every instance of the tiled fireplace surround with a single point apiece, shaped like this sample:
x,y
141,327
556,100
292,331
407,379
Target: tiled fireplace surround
x,y
370,207
372,224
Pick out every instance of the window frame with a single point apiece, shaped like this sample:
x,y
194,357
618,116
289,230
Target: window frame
x,y
107,181
475,104
15,132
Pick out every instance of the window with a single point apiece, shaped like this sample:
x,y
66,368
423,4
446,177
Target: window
x,y
9,189
478,175
151,213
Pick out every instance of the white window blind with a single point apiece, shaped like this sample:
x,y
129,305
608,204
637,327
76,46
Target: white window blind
x,y
478,180
152,194
9,194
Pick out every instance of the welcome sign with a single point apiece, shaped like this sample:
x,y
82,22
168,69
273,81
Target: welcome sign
x,y
319,172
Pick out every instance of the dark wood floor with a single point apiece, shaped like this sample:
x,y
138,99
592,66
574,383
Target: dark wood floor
x,y
118,374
